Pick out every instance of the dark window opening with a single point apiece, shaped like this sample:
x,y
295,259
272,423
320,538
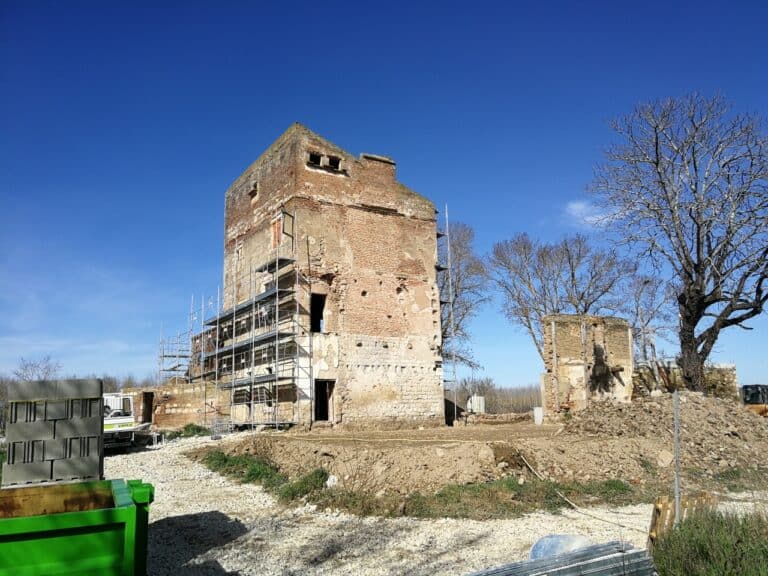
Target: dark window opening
x,y
314,159
323,399
147,404
334,163
316,311
254,190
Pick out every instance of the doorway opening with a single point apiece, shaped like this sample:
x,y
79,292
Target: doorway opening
x,y
147,401
323,400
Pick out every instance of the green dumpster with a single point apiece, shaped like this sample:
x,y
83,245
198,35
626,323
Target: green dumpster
x,y
88,528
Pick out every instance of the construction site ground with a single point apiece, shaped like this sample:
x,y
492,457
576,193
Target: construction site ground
x,y
203,523
722,444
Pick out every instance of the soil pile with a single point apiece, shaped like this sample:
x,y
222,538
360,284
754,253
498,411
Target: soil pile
x,y
711,429
721,441
382,465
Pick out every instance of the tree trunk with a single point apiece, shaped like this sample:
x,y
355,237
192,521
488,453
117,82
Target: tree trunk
x,y
691,362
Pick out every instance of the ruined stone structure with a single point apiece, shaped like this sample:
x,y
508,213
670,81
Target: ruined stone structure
x,y
719,379
586,357
331,309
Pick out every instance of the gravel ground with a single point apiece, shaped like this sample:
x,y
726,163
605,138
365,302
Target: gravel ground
x,y
202,523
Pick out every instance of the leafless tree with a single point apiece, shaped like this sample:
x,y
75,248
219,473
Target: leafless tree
x,y
536,279
649,308
687,186
4,382
469,284
43,368
500,400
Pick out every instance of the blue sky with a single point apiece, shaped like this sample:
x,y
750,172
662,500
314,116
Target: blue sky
x,y
124,122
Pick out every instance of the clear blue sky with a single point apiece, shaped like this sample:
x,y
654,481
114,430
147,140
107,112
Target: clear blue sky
x,y
124,122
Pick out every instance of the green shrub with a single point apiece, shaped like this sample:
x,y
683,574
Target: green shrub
x,y
304,486
715,544
254,469
188,431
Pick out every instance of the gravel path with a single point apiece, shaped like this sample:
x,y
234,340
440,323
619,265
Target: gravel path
x,y
201,523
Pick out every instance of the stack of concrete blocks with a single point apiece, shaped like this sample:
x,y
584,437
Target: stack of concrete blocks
x,y
54,432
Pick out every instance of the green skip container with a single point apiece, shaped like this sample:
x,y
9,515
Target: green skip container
x,y
86,528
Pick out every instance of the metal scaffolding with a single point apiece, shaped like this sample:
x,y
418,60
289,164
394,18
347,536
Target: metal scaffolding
x,y
252,348
175,352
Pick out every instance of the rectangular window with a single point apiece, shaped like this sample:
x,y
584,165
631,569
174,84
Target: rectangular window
x,y
314,159
317,309
334,163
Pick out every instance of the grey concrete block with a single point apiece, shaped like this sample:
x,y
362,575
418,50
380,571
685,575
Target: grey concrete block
x,y
94,445
57,410
35,451
79,427
86,408
54,390
15,453
20,431
26,473
22,412
56,449
74,468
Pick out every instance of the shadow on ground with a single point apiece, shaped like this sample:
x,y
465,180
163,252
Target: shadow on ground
x,y
176,541
293,547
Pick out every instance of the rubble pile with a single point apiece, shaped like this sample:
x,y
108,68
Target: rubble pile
x,y
715,434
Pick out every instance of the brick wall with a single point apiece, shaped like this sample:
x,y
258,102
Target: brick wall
x,y
369,244
586,357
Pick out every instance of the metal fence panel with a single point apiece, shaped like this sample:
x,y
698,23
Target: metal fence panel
x,y
612,559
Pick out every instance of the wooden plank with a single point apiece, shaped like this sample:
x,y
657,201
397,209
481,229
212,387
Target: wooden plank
x,y
663,515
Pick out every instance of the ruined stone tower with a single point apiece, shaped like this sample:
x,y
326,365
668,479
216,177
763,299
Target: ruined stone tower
x,y
330,302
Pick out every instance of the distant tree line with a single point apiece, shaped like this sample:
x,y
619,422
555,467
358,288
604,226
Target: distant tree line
x,y
498,399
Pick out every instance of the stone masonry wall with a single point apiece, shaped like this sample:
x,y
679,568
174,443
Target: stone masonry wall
x,y
590,357
368,244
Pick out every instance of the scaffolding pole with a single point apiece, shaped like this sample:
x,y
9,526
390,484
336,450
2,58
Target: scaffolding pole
x,y
453,325
261,361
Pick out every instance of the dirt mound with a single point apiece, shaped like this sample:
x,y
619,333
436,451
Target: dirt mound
x,y
392,466
721,441
715,434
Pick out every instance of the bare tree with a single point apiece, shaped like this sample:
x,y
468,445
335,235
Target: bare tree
x,y
648,307
687,186
469,284
4,382
43,368
536,279
500,400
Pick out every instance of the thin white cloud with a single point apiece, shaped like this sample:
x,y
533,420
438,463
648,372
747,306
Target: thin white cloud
x,y
90,318
583,214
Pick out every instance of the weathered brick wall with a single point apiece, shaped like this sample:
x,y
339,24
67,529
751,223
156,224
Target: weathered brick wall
x,y
369,244
178,404
175,405
570,358
384,382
